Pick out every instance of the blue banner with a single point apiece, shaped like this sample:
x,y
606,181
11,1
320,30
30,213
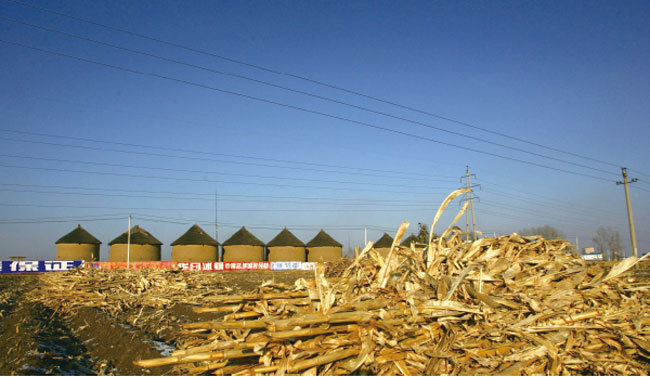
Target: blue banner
x,y
23,266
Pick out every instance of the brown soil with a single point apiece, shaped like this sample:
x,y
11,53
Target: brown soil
x,y
38,340
34,341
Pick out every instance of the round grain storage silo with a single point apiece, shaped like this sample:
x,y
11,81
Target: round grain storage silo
x,y
324,248
409,240
382,246
195,246
286,247
243,247
78,245
143,247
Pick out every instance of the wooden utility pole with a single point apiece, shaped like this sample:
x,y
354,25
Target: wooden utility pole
x,y
216,217
216,221
128,245
630,219
469,196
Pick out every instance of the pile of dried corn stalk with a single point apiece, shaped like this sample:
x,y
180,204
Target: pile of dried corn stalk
x,y
507,305
115,291
335,269
141,297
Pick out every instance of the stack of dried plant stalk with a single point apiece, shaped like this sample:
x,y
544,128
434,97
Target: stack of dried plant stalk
x,y
337,268
510,305
142,298
114,291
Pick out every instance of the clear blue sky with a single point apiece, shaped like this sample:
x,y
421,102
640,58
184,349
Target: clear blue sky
x,y
568,75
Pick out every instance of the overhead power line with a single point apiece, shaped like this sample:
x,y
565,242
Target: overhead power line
x,y
402,204
174,220
184,221
539,214
240,131
546,204
39,221
640,188
519,195
517,220
590,212
115,189
303,109
205,180
310,80
329,203
174,149
99,163
640,173
419,208
642,181
262,82
68,217
414,176
531,216
554,199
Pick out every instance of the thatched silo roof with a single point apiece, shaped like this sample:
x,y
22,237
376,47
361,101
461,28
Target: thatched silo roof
x,y
139,236
323,239
195,236
79,235
285,238
243,237
409,239
384,241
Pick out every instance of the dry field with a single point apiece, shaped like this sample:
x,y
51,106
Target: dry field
x,y
38,339
100,322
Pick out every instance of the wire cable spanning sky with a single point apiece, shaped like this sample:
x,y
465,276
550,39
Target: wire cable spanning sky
x,y
355,106
544,102
276,72
335,117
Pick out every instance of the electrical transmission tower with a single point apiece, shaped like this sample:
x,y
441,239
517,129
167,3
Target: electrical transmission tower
x,y
470,197
630,219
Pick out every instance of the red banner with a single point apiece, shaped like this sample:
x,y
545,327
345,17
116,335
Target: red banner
x,y
246,266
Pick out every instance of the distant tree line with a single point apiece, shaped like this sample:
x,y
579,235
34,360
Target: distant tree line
x,y
607,241
546,231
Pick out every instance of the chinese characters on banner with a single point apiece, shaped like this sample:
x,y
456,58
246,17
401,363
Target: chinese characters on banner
x,y
225,266
51,266
246,266
284,266
164,265
21,267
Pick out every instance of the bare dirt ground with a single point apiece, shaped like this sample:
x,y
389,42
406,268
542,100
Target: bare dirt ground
x,y
36,340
